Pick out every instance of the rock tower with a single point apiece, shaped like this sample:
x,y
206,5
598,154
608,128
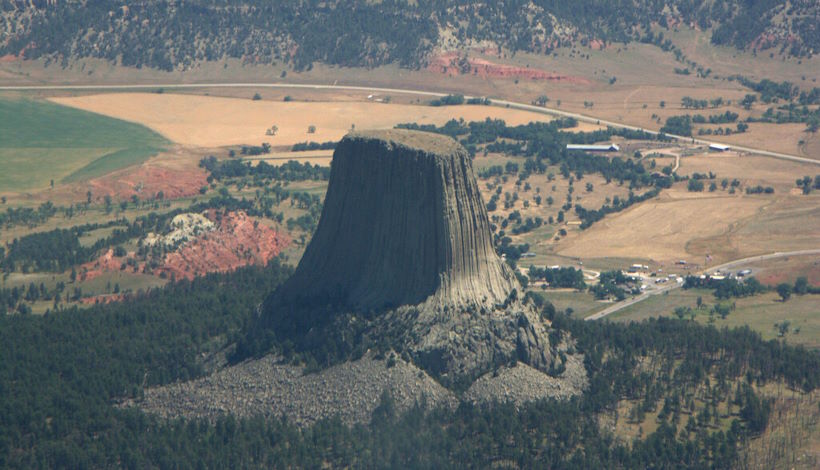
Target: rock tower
x,y
403,223
404,239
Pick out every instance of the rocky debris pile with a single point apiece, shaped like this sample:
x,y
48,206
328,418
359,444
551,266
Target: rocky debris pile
x,y
352,391
268,387
521,383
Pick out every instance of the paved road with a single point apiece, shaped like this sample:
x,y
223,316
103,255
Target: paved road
x,y
730,265
495,102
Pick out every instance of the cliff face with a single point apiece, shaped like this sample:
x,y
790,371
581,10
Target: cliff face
x,y
403,258
403,223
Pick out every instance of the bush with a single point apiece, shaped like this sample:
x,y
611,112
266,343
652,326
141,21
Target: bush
x,y
695,185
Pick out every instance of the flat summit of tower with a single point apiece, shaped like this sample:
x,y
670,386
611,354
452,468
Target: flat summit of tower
x,y
427,142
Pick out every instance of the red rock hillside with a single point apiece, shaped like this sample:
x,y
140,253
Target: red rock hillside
x,y
452,64
237,241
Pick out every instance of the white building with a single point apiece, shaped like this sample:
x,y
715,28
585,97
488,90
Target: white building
x,y
594,148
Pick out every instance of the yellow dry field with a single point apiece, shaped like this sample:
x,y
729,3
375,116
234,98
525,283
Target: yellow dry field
x,y
750,170
682,224
660,229
314,157
783,138
205,121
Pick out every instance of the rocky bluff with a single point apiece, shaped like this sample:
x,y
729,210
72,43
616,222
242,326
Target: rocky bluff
x,y
403,257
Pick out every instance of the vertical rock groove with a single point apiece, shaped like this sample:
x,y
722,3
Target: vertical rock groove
x,y
403,223
405,238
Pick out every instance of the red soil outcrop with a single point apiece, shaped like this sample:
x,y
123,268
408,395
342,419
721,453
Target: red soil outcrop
x,y
453,65
146,181
237,241
105,263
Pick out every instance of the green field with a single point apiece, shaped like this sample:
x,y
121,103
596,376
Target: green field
x,y
759,312
42,141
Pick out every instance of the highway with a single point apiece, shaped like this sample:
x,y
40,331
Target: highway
x,y
729,265
495,102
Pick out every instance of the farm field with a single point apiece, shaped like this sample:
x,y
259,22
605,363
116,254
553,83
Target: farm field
x,y
682,224
314,157
206,121
660,229
41,142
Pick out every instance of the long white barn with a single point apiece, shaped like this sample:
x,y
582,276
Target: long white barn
x,y
594,148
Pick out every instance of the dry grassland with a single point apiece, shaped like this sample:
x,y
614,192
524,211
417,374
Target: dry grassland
x,y
660,229
783,138
779,270
682,224
212,122
750,170
791,224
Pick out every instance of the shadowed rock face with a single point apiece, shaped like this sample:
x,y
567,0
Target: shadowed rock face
x,y
403,223
403,258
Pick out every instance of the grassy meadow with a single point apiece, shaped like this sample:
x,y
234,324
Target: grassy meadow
x,y
759,312
41,142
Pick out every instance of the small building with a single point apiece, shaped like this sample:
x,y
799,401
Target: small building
x,y
718,147
594,148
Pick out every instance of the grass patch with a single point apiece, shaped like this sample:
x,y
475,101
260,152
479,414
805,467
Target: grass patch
x,y
583,304
663,304
41,142
111,162
759,312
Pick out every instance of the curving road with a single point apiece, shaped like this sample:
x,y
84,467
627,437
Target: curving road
x,y
731,264
495,102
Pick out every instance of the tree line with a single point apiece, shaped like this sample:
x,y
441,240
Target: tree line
x,y
290,171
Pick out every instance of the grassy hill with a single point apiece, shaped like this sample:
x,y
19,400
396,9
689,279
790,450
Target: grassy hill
x,y
42,142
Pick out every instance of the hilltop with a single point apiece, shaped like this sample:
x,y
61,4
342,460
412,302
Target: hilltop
x,y
171,35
